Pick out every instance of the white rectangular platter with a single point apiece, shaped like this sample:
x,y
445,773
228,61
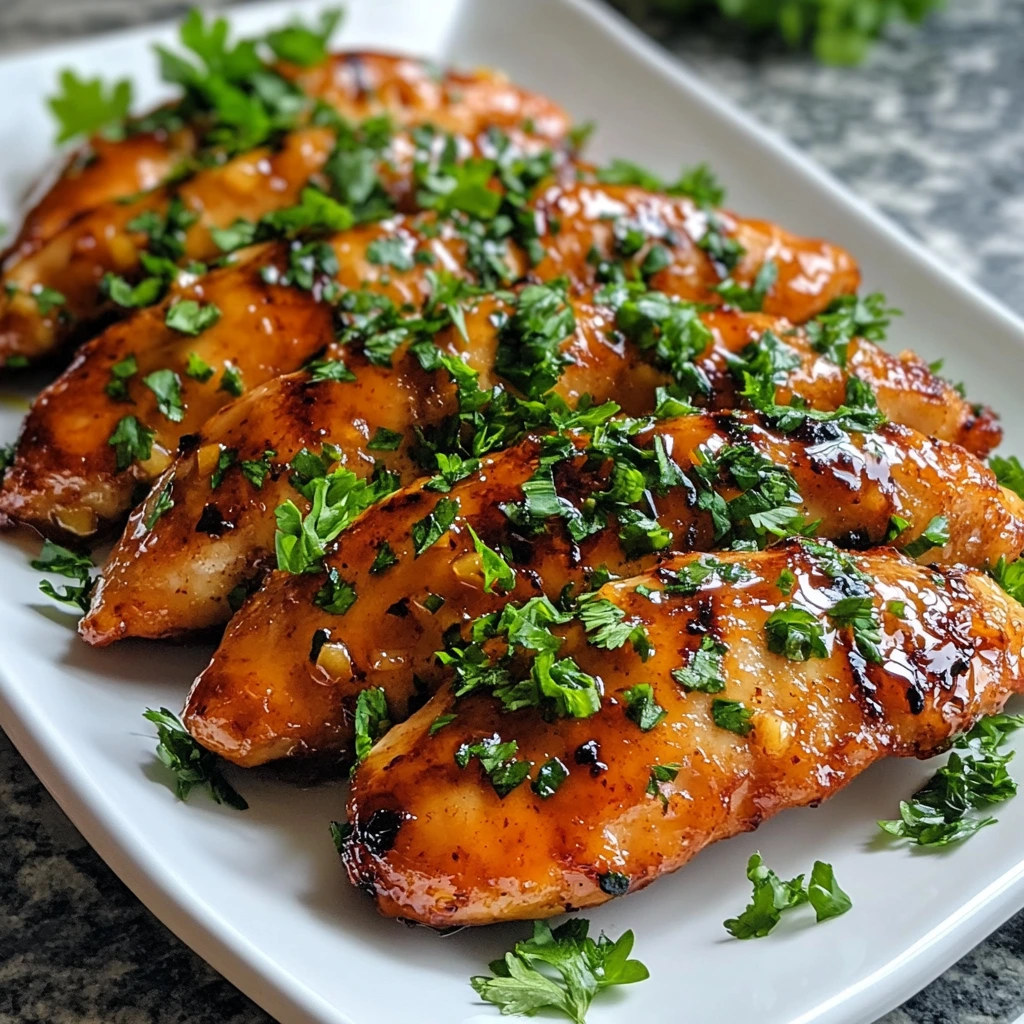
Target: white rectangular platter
x,y
261,894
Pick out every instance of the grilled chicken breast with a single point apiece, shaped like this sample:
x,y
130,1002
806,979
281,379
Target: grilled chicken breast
x,y
66,481
251,709
356,84
165,577
438,843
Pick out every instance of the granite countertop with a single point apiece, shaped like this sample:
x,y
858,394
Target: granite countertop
x,y
931,130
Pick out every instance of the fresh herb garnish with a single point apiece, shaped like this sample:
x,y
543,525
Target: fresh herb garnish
x,y
772,897
132,441
704,673
498,761
371,722
83,106
431,528
62,562
336,596
166,385
559,970
192,764
642,708
190,317
934,535
938,813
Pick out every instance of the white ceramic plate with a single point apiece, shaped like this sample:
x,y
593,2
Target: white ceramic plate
x,y
261,895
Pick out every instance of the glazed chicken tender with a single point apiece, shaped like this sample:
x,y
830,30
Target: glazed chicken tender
x,y
449,829
251,709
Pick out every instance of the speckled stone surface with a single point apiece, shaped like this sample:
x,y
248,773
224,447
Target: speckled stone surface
x,y
931,130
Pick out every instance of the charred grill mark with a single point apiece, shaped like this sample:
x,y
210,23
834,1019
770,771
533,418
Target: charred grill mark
x,y
320,637
188,443
212,522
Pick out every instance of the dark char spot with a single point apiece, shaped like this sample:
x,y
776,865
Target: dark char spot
x,y
212,522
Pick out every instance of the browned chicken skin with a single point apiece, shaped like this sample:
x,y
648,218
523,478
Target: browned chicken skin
x,y
65,481
252,709
108,237
171,579
435,843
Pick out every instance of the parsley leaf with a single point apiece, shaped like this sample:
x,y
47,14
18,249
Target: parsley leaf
x,y
191,764
132,441
301,540
498,761
371,721
120,373
336,596
1009,472
189,317
166,385
550,777
198,369
795,633
63,562
937,814
431,528
497,572
384,559
772,897
704,672
732,715
560,970
83,106
529,343
298,44
642,708
934,535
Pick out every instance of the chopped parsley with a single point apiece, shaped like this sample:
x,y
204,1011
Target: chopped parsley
x,y
84,106
62,562
191,764
371,722
132,441
1009,472
336,596
231,381
166,385
661,773
732,715
529,343
559,970
497,572
120,373
750,300
384,559
939,812
773,897
550,777
934,535
641,707
161,506
198,369
427,531
384,440
796,634
704,673
257,470
336,500
190,317
849,317
498,761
